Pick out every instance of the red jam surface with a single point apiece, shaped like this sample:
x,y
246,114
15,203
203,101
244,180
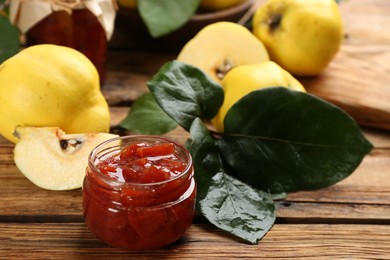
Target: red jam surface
x,y
141,196
143,163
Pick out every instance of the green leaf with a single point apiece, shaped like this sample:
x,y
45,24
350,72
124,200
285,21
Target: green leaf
x,y
226,202
9,39
205,155
238,209
146,117
4,7
294,141
185,93
163,17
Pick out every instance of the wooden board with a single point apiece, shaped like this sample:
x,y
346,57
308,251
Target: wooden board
x,y
74,241
358,78
349,220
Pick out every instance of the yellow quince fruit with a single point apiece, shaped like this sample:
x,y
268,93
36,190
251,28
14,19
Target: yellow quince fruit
x,y
221,46
244,79
301,36
50,85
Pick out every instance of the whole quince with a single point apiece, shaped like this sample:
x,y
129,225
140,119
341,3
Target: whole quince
x,y
51,85
302,36
244,79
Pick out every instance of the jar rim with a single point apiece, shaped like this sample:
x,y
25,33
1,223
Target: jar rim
x,y
113,182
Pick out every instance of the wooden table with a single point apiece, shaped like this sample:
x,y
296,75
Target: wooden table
x,y
349,220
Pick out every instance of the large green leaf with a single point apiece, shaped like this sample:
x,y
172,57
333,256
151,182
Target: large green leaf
x,y
282,140
164,16
9,39
184,92
226,202
205,155
146,117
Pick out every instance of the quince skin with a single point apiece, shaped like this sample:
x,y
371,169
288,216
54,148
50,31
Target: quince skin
x,y
50,85
244,79
301,36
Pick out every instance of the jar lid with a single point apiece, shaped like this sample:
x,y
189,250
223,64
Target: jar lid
x,y
26,13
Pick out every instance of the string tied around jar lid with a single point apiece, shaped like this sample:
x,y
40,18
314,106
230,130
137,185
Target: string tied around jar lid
x,y
26,13
67,5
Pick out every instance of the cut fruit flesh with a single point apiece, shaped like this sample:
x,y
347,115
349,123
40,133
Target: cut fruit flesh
x,y
53,160
221,46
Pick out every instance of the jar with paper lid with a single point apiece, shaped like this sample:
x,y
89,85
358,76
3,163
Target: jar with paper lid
x,y
85,25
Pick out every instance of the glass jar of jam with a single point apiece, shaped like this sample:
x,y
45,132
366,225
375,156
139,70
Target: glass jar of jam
x,y
139,192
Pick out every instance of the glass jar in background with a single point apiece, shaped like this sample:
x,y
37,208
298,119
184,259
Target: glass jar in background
x,y
83,25
139,192
80,30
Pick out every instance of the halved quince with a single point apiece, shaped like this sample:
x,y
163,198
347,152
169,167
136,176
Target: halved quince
x,y
221,46
52,159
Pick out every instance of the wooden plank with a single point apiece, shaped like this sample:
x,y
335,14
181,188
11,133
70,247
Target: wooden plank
x,y
59,241
364,196
368,188
348,220
317,212
21,200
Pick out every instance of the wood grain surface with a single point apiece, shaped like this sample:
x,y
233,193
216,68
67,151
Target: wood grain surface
x,y
349,220
286,241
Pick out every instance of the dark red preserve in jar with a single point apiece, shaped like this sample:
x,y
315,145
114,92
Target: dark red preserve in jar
x,y
139,192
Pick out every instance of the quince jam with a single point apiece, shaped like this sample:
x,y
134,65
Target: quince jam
x,y
139,192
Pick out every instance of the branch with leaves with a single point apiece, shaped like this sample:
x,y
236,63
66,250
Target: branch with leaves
x,y
275,141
